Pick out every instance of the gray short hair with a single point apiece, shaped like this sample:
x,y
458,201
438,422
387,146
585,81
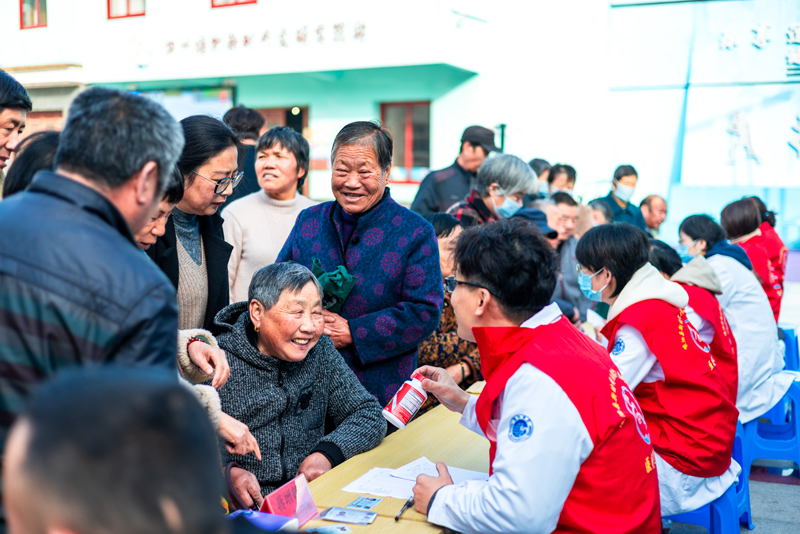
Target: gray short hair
x,y
605,209
509,172
110,135
366,133
269,283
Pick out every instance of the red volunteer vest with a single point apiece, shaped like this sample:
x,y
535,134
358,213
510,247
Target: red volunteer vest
x,y
763,266
776,250
692,420
723,345
616,489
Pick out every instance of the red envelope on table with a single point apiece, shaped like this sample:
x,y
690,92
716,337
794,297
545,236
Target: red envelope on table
x,y
293,499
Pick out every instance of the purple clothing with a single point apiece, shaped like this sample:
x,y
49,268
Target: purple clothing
x,y
397,300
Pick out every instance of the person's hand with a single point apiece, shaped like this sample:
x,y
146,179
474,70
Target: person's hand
x,y
337,328
444,388
212,361
246,485
237,437
576,317
427,485
315,465
455,372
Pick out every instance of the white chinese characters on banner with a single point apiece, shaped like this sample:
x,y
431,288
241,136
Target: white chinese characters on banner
x,y
760,39
740,133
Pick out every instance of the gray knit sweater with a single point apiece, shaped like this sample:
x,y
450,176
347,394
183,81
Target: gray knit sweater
x,y
287,405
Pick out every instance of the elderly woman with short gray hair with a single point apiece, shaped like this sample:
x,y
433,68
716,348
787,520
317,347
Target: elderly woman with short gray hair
x,y
389,251
501,183
287,380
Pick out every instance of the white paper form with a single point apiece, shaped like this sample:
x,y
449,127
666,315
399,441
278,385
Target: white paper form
x,y
380,482
423,466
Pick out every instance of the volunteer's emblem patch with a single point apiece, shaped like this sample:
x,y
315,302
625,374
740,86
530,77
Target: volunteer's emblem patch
x,y
698,340
521,428
619,346
632,405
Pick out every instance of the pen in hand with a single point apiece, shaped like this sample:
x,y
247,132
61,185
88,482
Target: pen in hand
x,y
409,503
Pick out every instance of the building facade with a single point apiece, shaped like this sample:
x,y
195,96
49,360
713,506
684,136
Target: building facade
x,y
703,97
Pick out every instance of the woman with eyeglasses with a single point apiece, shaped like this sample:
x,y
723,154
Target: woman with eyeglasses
x,y
193,252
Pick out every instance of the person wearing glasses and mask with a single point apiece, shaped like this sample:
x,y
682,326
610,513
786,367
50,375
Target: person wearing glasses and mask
x,y
193,252
501,184
619,199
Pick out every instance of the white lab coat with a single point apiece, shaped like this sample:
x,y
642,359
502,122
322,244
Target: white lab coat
x,y
532,478
637,363
760,355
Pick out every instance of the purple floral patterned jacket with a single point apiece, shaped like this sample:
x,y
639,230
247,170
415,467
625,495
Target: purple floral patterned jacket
x,y
397,300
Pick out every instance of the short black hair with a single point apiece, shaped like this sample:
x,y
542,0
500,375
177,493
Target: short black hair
x,y
366,133
767,215
245,122
539,165
563,198
174,192
621,248
664,258
513,261
35,153
292,141
562,168
12,94
109,446
625,170
205,138
740,218
703,227
443,224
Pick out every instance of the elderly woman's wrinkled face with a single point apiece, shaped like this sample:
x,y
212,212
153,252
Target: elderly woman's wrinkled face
x,y
358,181
199,197
291,328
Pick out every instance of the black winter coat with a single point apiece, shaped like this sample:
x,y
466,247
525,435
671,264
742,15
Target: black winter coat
x,y
75,290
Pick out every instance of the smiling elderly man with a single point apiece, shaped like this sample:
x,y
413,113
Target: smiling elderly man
x,y
288,384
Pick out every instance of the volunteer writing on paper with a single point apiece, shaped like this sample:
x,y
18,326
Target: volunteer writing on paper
x,y
570,450
672,372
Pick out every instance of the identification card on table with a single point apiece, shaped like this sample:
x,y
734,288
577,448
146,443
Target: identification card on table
x,y
349,516
364,503
329,529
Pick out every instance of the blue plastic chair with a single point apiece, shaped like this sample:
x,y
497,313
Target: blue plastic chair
x,y
776,441
792,357
720,515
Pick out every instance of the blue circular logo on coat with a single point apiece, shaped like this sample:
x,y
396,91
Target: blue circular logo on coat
x,y
520,428
619,346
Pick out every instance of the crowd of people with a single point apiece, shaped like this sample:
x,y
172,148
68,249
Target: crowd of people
x,y
608,355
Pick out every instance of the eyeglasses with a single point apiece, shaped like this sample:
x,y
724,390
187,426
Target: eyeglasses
x,y
222,185
450,284
579,268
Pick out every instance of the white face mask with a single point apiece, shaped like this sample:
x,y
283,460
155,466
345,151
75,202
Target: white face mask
x,y
624,192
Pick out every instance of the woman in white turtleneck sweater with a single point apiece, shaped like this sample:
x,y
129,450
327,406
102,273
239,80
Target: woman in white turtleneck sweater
x,y
257,225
